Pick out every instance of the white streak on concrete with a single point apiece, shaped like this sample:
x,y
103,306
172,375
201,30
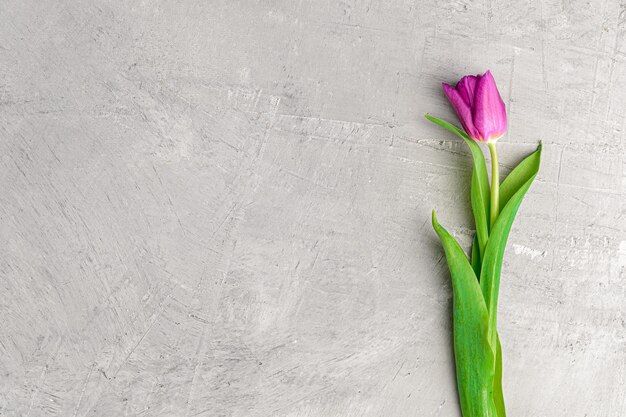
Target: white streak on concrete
x,y
529,252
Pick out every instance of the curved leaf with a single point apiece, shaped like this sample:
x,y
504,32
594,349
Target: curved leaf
x,y
473,355
494,252
480,182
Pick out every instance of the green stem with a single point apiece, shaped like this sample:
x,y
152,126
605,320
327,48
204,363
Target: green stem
x,y
495,182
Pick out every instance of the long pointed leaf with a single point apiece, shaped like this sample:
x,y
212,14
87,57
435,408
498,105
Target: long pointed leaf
x,y
480,183
473,355
494,252
523,172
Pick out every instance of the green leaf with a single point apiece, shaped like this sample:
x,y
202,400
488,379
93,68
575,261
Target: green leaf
x,y
494,252
524,172
519,176
474,356
480,195
480,183
498,395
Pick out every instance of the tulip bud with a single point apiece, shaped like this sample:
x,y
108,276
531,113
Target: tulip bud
x,y
479,107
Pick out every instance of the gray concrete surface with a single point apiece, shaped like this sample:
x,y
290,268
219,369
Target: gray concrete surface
x,y
222,208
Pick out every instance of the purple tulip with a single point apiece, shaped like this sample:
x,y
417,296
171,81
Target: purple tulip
x,y
478,105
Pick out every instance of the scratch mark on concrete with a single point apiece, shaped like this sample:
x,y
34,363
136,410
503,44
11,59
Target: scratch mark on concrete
x,y
82,391
143,336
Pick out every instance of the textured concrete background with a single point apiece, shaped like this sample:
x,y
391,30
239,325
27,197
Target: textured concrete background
x,y
222,208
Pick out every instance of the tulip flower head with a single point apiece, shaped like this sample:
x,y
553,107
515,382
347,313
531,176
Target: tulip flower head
x,y
479,107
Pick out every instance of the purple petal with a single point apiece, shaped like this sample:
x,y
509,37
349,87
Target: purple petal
x,y
489,110
466,87
463,111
